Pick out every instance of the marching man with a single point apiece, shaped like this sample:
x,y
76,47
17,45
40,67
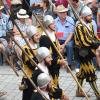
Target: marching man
x,y
45,42
85,41
34,37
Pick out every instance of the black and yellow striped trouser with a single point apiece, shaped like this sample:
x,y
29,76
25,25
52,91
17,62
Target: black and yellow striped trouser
x,y
55,80
87,71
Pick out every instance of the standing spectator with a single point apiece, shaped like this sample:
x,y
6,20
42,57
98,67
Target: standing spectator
x,y
65,24
93,4
16,5
36,9
48,8
77,5
94,9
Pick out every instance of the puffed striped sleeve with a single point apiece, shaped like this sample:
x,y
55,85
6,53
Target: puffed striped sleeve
x,y
81,36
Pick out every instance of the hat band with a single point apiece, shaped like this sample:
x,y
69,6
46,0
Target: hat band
x,y
22,14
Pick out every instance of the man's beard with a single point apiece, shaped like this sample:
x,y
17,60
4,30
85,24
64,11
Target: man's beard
x,y
34,41
52,29
47,64
48,88
88,21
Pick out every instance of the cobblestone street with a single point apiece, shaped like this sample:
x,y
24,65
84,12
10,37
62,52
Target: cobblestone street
x,y
9,82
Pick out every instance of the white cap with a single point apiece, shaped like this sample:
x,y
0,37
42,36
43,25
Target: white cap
x,y
32,30
48,20
22,14
43,80
42,53
86,11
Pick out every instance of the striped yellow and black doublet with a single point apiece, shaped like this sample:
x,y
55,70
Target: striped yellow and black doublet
x,y
27,64
85,37
84,41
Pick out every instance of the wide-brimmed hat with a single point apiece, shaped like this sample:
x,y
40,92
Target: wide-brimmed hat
x,y
1,7
61,8
22,14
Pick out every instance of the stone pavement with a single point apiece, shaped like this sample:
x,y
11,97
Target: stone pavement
x,y
9,82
